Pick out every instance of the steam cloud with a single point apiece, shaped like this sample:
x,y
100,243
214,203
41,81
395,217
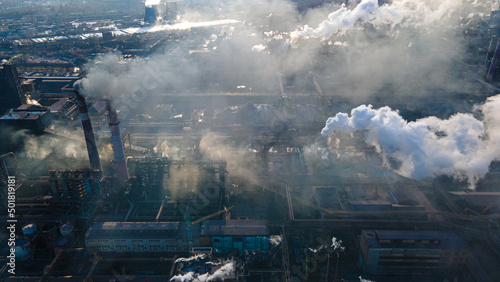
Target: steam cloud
x,y
225,272
238,161
461,146
414,13
150,3
275,240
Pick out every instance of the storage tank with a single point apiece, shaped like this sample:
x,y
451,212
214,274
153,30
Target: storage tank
x,y
29,230
60,244
67,230
22,249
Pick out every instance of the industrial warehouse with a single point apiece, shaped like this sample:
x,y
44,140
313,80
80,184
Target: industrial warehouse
x,y
270,140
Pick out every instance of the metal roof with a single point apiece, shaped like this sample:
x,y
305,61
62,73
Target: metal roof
x,y
234,228
443,239
132,230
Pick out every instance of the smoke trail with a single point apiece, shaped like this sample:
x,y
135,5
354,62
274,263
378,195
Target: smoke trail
x,y
461,146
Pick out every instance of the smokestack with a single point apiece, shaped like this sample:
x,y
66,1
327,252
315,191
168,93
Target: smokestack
x,y
494,62
116,140
95,161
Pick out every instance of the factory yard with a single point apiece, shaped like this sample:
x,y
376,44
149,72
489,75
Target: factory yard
x,y
249,141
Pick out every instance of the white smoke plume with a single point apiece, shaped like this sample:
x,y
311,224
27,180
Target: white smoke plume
x,y
258,48
275,240
461,146
190,276
413,13
225,272
361,279
191,259
337,244
150,3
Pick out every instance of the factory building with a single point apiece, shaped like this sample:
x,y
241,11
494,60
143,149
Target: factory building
x,y
63,109
84,183
140,237
12,92
30,117
411,252
242,235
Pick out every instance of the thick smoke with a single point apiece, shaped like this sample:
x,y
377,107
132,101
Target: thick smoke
x,y
461,146
369,47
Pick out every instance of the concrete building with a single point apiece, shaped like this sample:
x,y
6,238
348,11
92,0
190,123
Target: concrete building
x,y
411,252
242,235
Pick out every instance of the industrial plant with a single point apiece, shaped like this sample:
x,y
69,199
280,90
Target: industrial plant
x,y
267,140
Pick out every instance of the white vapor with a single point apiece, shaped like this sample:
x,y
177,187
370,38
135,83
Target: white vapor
x,y
150,3
225,272
191,259
258,48
275,240
461,146
414,13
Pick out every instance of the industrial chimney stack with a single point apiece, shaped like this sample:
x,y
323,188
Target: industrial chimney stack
x,y
95,161
116,140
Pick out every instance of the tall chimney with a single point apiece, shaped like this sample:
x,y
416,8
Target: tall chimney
x,y
494,62
116,140
95,161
